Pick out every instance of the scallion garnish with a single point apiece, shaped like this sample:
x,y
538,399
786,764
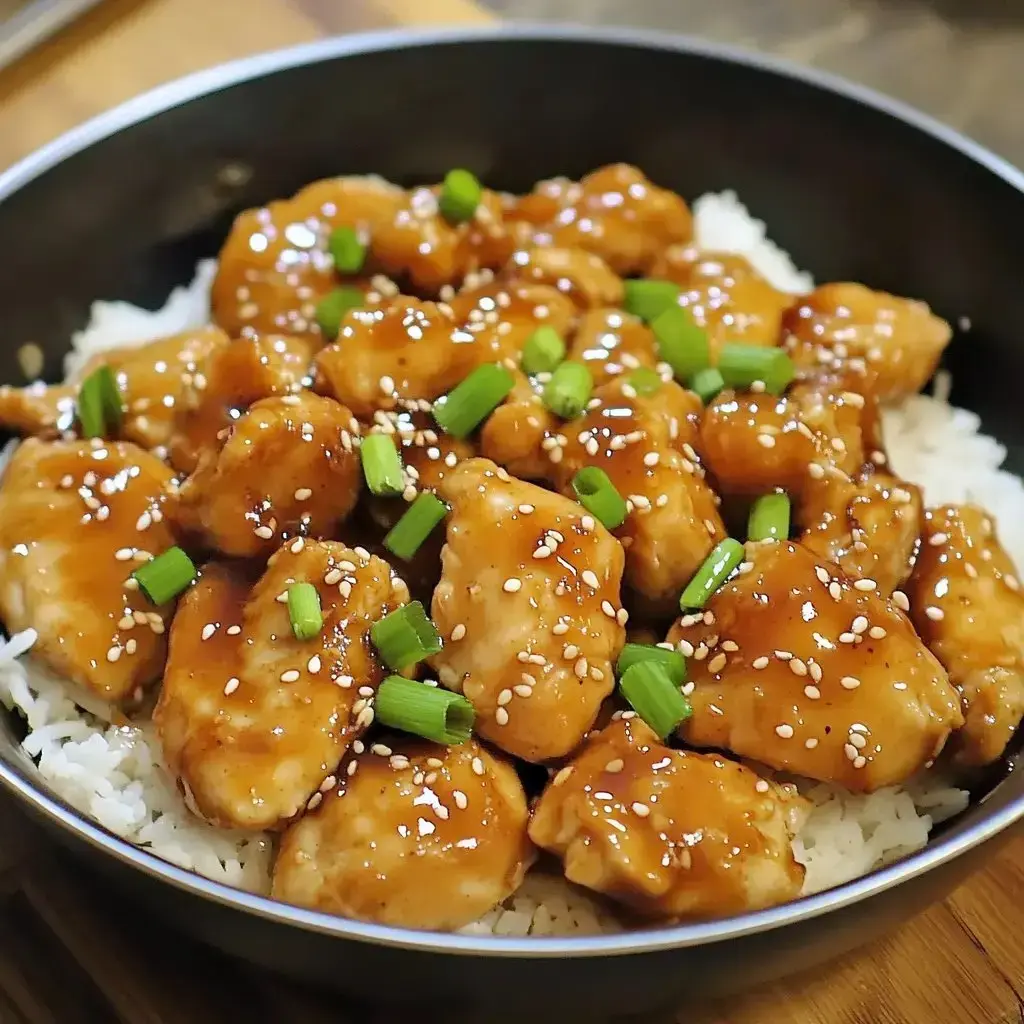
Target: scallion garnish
x,y
468,404
405,637
460,196
671,661
654,697
304,611
707,383
741,365
567,392
331,309
681,343
646,298
427,711
543,351
165,576
769,518
420,518
99,403
597,494
382,465
644,381
348,252
717,568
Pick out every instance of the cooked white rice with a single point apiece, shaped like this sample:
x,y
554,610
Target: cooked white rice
x,y
113,773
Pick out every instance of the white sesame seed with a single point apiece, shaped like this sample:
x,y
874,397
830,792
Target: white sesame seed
x,y
263,532
865,585
522,690
858,740
460,798
297,545
810,743
208,630
859,624
815,670
835,591
505,697
511,585
478,766
542,552
313,665
850,751
352,767
784,731
143,522
608,608
580,668
812,692
822,574
934,613
639,809
290,676
761,786
622,616
113,654
560,628
123,554
877,633
766,440
860,761
849,682
458,631
717,663
847,638
798,667
784,655
760,663
587,524
501,716
233,630
937,539
615,765
651,459
230,686
365,719
590,578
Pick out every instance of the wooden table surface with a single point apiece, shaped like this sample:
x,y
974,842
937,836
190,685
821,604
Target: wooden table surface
x,y
65,958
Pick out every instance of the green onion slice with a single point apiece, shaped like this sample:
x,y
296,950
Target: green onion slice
x,y
769,518
304,611
670,660
707,383
654,696
468,404
348,252
646,298
644,381
382,465
165,576
331,309
681,343
741,365
460,195
543,351
405,637
415,526
717,568
427,711
569,390
597,494
99,403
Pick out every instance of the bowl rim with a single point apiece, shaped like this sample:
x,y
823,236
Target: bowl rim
x,y
212,80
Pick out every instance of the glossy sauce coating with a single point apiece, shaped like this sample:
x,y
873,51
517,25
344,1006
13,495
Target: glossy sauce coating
x,y
669,833
610,342
413,834
585,278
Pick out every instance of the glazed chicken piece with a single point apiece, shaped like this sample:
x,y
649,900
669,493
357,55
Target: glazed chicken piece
x,y
287,468
893,344
515,434
610,342
966,604
76,518
613,212
799,667
417,836
669,833
580,275
529,610
252,721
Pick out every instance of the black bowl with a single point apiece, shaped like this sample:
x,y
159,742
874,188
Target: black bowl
x,y
853,185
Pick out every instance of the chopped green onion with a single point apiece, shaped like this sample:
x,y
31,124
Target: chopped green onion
x,y
99,403
681,343
646,298
427,711
331,309
717,568
405,637
543,351
468,404
415,526
671,661
348,252
644,381
769,518
382,465
741,365
707,383
597,494
568,391
460,196
165,576
304,611
654,697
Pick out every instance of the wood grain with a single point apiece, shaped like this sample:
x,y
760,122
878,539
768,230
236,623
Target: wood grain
x,y
64,958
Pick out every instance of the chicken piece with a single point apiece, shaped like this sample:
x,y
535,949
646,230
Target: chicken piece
x,y
529,609
725,295
669,833
237,375
585,278
274,266
802,669
155,379
423,836
76,518
609,343
253,722
287,468
966,603
613,212
893,344
514,435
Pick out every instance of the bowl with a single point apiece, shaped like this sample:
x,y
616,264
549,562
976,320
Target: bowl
x,y
855,186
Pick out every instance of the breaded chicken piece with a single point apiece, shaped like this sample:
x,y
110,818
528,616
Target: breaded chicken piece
x,y
529,609
414,835
669,833
799,667
515,434
610,342
76,518
252,721
580,275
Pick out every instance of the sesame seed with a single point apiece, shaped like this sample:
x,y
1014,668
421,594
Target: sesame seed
x,y
580,668
877,633
313,665
113,654
858,740
570,652
233,630
351,769
798,667
561,776
263,532
651,459
608,608
859,624
329,783
835,591
365,719
847,638
505,697
458,631
934,613
622,616
542,552
822,574
784,731
511,585
123,554
937,539
766,440
615,765
290,676
849,682
381,749
587,524
760,663
761,786
501,716
230,686
850,751
208,630
639,809
297,545
727,645
143,522
717,663
560,628
460,798
812,692
816,472
865,585
810,743
590,578
358,746
522,690
784,655
478,766
860,761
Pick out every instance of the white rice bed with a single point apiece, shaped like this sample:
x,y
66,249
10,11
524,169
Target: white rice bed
x,y
114,774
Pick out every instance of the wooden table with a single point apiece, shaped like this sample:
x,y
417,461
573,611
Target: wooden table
x,y
64,958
